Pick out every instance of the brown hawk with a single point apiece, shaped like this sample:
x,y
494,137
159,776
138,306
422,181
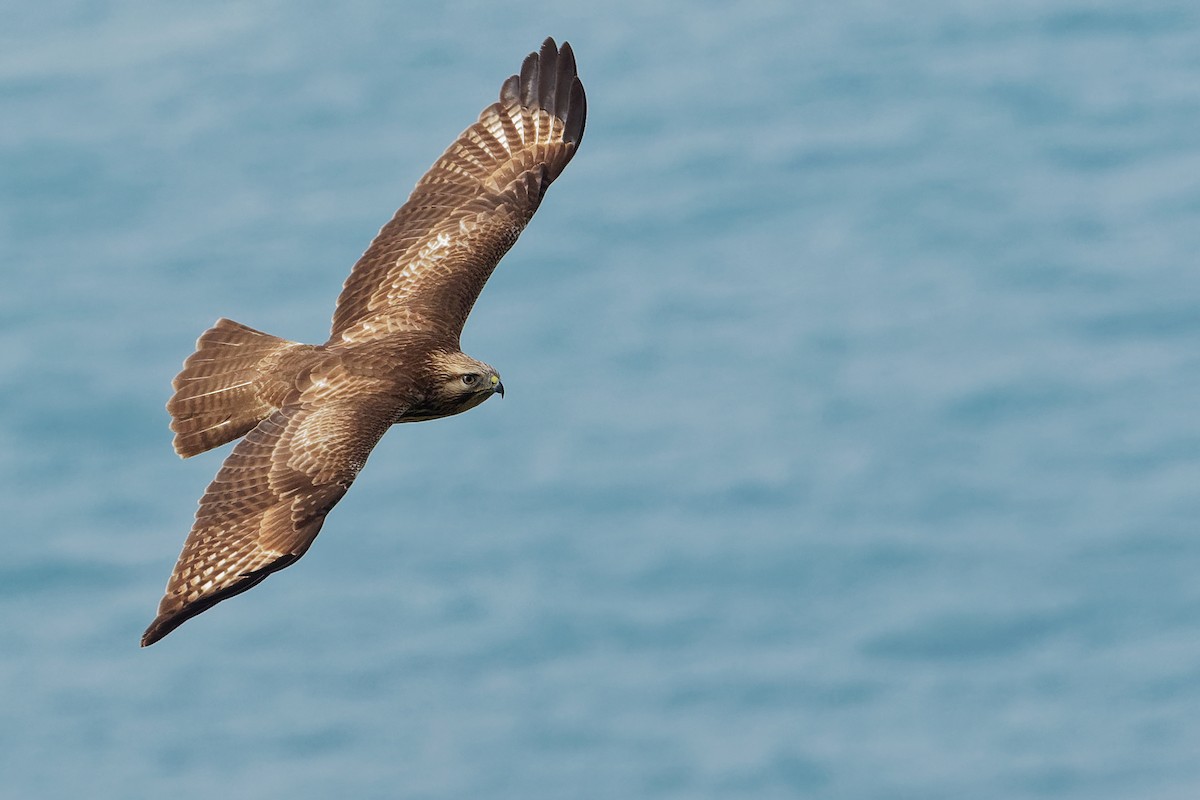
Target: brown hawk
x,y
311,414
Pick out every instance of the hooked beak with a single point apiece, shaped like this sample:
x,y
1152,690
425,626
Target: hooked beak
x,y
498,389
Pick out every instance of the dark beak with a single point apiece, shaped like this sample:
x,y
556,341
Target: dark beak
x,y
499,389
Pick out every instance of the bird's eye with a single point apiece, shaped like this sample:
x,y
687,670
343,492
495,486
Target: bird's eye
x,y
470,378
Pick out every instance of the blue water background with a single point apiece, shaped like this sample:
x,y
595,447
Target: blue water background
x,y
850,447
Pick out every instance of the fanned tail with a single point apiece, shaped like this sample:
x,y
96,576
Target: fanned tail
x,y
216,399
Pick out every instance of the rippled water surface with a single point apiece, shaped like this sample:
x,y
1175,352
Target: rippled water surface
x,y
850,446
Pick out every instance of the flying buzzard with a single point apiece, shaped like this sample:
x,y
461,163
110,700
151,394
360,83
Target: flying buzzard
x,y
311,414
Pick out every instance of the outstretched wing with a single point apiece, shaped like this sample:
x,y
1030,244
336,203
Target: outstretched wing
x,y
270,498
427,266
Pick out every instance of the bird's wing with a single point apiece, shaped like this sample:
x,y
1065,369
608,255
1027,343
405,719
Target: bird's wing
x,y
427,266
270,498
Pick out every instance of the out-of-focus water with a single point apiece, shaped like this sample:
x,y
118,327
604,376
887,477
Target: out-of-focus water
x,y
850,447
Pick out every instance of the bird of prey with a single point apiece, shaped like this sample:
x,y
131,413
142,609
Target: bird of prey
x,y
311,414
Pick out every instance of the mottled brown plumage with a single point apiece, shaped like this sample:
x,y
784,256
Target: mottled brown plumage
x,y
311,414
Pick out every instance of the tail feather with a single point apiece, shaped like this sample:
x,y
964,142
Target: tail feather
x,y
216,398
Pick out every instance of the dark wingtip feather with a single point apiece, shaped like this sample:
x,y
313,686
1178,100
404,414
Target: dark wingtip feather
x,y
566,59
529,76
549,80
577,118
165,623
565,79
510,92
547,75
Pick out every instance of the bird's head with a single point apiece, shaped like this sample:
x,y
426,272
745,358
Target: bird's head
x,y
461,382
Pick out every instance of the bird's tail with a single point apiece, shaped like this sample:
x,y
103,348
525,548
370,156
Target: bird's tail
x,y
216,398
